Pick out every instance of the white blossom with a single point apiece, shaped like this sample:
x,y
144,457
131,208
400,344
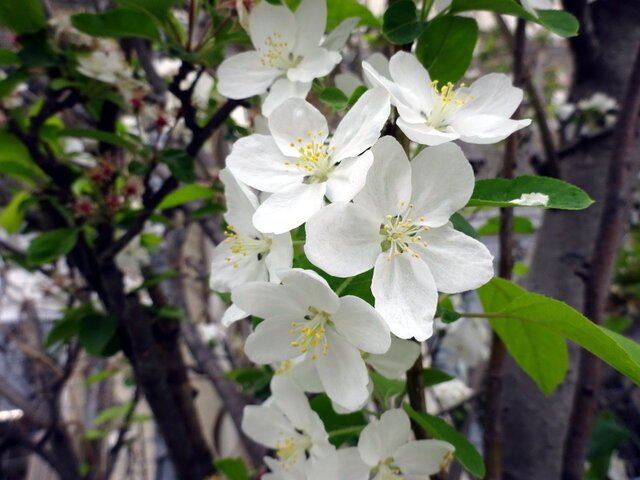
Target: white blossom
x,y
399,225
534,199
432,114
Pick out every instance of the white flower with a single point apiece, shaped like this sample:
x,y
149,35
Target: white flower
x,y
303,316
300,166
287,55
343,464
448,395
466,342
601,102
534,199
108,66
395,361
384,445
246,254
288,425
432,114
399,225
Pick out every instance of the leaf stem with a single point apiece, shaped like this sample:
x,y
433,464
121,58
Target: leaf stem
x,y
346,431
344,285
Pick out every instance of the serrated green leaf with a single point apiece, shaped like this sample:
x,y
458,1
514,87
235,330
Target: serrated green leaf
x,y
181,164
400,22
445,47
12,216
26,16
186,194
232,468
465,452
116,23
501,192
51,245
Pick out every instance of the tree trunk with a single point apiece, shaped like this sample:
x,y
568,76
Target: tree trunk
x,y
535,426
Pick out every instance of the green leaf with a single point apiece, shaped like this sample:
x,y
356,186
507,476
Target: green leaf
x,y
27,16
150,240
51,245
559,22
607,436
356,94
462,225
12,216
433,376
400,23
386,388
111,413
9,84
15,160
448,316
158,8
465,452
343,428
8,57
67,327
100,135
36,51
335,98
232,468
157,279
101,375
445,47
520,225
186,194
96,332
541,354
117,23
181,164
501,192
505,300
254,381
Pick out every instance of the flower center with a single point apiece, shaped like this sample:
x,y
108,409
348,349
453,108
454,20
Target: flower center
x,y
242,246
314,157
448,100
400,233
311,334
276,53
386,470
290,449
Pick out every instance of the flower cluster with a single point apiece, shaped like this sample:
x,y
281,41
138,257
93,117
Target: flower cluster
x,y
364,206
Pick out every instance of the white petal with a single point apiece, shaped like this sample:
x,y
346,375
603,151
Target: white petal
x,y
338,37
304,373
281,90
406,295
408,72
344,464
381,63
291,400
311,20
388,187
257,161
457,262
343,239
264,300
233,314
442,181
486,129
317,63
311,289
400,356
265,425
347,82
361,325
289,208
297,122
381,438
242,76
423,457
343,373
360,127
424,134
268,24
280,255
348,178
229,270
241,203
271,341
494,94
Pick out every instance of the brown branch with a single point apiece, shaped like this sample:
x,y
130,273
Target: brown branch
x,y
493,415
623,170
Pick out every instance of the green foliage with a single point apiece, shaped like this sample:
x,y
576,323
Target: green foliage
x,y
559,22
36,51
232,468
51,245
157,8
117,23
12,216
186,194
97,333
445,47
26,16
335,98
501,192
15,160
462,225
607,436
437,428
157,279
8,57
433,376
181,164
400,23
340,10
520,225
343,429
386,389
100,135
254,381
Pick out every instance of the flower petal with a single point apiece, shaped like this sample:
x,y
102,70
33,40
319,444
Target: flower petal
x,y
457,262
422,133
316,63
229,270
344,464
291,400
423,457
343,373
348,178
397,360
269,24
495,94
232,314
343,239
280,255
265,300
243,76
361,325
310,289
388,187
265,425
485,128
311,20
299,123
241,203
271,341
281,90
408,72
360,127
406,295
257,161
337,38
289,208
381,438
442,181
